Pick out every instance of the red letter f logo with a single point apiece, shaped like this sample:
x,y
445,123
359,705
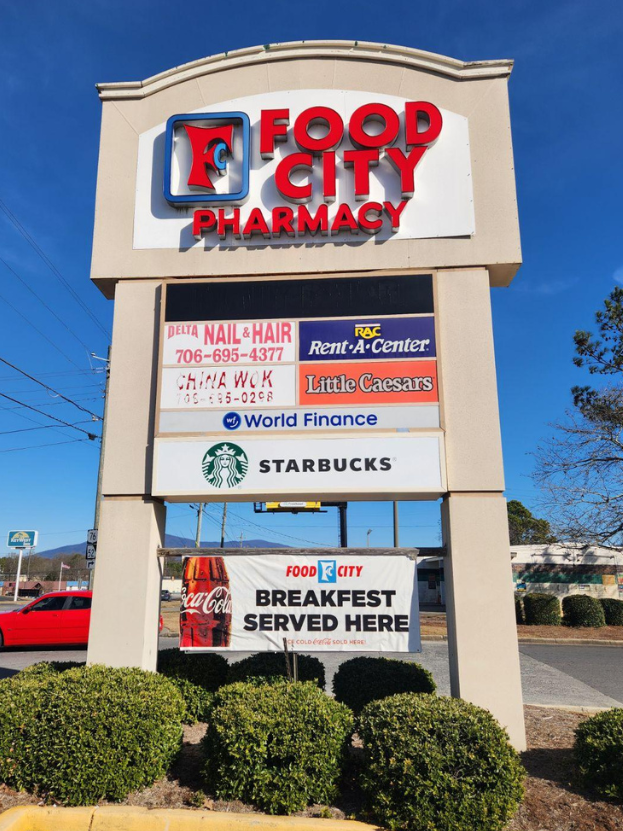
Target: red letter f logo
x,y
210,146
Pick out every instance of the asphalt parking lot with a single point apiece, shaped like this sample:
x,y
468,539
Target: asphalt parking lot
x,y
574,676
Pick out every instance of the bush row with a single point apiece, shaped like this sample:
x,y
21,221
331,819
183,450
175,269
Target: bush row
x,y
537,609
75,735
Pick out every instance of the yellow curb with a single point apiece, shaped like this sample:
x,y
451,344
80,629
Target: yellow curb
x,y
122,818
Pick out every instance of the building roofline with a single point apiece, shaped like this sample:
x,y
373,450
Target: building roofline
x,y
336,49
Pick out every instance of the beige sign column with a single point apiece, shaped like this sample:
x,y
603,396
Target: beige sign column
x,y
482,636
126,598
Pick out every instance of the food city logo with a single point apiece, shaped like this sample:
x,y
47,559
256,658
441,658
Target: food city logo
x,y
326,571
207,162
225,465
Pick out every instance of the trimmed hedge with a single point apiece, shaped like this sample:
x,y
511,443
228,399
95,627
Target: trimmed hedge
x,y
207,670
273,665
88,733
599,752
50,667
541,609
519,613
613,611
279,746
582,610
197,700
361,680
438,763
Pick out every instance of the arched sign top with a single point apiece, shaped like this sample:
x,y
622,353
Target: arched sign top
x,y
333,49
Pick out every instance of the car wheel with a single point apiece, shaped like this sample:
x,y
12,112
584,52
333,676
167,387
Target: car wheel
x,y
1,640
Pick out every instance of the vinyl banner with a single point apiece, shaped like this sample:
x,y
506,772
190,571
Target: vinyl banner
x,y
319,604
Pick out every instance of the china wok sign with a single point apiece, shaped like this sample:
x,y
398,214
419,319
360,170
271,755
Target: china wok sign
x,y
317,603
320,165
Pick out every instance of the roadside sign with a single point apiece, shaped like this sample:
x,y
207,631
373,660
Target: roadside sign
x,y
90,564
90,553
22,539
92,536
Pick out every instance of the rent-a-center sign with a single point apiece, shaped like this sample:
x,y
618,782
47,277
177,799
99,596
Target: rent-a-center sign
x,y
308,165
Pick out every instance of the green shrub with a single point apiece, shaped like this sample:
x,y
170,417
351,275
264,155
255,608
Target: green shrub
x,y
438,763
599,752
89,733
361,680
541,609
519,613
582,610
50,667
613,611
207,670
273,665
198,702
280,746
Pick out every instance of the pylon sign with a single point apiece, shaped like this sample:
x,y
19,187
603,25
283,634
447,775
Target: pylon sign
x,y
22,539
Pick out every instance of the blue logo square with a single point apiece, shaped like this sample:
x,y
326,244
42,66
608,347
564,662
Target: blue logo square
x,y
327,571
221,156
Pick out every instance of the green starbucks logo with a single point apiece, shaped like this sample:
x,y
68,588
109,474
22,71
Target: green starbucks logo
x,y
225,465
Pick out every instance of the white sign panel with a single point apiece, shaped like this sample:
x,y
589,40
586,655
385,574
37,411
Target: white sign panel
x,y
302,419
215,387
253,468
392,192
319,604
247,342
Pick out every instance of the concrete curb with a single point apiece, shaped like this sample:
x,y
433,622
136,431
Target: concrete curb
x,y
571,642
123,818
571,708
544,641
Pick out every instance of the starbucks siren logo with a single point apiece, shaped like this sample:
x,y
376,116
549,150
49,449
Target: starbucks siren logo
x,y
225,465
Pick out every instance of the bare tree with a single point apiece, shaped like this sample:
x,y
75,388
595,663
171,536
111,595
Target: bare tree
x,y
580,471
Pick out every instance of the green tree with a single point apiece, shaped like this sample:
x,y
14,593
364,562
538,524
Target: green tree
x,y
526,529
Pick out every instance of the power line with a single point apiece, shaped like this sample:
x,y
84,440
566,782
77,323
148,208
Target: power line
x,y
37,446
51,342
42,427
44,304
50,389
91,436
52,267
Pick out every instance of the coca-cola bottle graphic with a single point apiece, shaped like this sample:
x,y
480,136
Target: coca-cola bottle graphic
x,y
205,619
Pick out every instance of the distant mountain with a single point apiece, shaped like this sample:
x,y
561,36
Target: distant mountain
x,y
171,541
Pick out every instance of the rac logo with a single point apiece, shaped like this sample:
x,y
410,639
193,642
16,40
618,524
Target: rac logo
x,y
368,331
206,158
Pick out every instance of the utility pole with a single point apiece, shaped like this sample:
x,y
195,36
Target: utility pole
x,y
342,508
368,532
223,524
396,540
241,539
199,518
100,471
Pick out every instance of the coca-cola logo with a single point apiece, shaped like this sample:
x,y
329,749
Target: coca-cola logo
x,y
215,602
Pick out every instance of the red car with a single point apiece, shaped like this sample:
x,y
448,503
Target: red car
x,y
55,618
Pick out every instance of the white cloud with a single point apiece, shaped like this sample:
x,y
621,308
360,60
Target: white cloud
x,y
618,275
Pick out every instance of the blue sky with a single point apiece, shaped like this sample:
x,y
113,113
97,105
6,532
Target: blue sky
x,y
567,124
